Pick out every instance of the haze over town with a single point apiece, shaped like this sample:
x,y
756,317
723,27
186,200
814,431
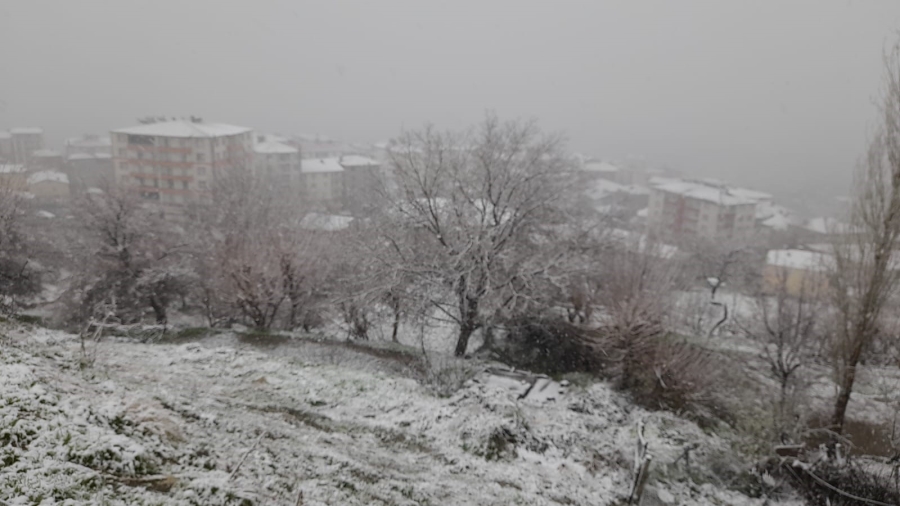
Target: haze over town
x,y
778,94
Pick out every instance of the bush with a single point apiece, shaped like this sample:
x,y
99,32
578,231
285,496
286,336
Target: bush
x,y
677,376
851,479
550,346
658,371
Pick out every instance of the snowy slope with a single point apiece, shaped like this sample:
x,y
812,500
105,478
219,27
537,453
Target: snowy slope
x,y
197,424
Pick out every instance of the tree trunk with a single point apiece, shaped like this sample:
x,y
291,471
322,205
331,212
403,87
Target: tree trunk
x,y
848,377
462,341
396,326
468,319
159,310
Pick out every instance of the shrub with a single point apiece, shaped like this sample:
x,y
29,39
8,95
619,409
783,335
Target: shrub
x,y
550,346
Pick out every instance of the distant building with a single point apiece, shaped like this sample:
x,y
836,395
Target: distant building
x,y
277,162
5,147
88,144
323,182
796,272
360,181
48,184
25,141
46,159
13,176
325,222
174,162
87,170
685,209
318,146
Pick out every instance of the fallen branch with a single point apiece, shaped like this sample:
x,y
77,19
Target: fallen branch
x,y
236,469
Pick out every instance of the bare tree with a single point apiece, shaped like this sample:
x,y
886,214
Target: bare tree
x,y
784,323
137,258
720,263
17,278
865,274
465,214
259,261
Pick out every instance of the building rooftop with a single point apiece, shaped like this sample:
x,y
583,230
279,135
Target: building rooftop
x,y
184,128
356,161
26,130
48,175
700,191
326,222
45,153
89,141
4,134
271,147
321,165
89,156
603,167
798,259
11,169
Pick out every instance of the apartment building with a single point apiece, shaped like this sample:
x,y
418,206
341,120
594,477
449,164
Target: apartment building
x,y
323,182
277,162
684,209
361,175
174,162
24,141
88,144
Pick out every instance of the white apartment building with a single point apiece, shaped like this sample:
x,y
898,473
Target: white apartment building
x,y
89,144
684,209
323,182
277,162
174,162
24,141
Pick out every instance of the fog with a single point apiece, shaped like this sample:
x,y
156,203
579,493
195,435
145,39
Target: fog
x,y
775,94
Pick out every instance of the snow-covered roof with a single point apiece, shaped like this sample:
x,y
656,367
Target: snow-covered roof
x,y
45,214
777,222
356,161
11,168
700,191
595,166
272,147
89,141
89,156
321,165
326,222
798,259
824,225
26,130
45,153
48,176
751,194
184,128
95,191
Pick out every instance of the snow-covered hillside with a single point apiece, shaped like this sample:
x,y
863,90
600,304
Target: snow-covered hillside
x,y
224,423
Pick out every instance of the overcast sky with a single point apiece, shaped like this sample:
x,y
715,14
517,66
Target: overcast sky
x,y
765,92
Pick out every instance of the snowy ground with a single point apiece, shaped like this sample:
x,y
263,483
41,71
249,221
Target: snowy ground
x,y
226,423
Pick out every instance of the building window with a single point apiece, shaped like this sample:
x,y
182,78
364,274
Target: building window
x,y
201,170
199,157
184,185
202,185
